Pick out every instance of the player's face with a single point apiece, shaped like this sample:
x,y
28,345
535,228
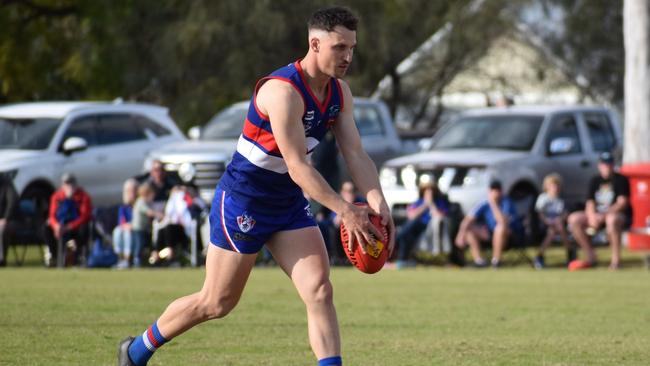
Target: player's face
x,y
336,50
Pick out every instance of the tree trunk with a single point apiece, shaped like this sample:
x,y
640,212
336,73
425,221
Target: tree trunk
x,y
636,14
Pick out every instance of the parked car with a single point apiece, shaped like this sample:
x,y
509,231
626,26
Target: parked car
x,y
202,162
517,145
101,143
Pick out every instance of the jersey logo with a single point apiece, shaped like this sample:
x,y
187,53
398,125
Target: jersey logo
x,y
308,121
308,211
333,113
334,110
245,222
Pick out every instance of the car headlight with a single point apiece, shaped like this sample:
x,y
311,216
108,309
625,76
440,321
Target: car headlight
x,y
9,174
476,177
387,177
409,177
186,171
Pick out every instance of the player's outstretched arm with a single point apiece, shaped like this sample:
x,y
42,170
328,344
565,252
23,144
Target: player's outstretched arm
x,y
361,168
285,108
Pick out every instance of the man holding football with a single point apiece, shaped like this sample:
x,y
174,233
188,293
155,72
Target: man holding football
x,y
260,201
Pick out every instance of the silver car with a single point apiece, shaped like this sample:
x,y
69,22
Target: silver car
x,y
101,143
517,145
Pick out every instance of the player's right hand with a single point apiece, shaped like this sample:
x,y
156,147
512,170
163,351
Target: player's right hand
x,y
357,221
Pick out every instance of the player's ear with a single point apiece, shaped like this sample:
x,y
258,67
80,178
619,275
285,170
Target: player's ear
x,y
314,44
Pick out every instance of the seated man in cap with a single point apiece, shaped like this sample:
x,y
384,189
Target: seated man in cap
x,y
69,214
493,220
607,206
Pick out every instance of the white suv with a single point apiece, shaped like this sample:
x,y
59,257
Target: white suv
x,y
517,145
101,143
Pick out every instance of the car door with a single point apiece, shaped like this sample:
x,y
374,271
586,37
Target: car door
x,y
373,133
83,164
122,146
601,134
570,160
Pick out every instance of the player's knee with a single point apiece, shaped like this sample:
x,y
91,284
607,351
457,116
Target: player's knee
x,y
321,292
216,308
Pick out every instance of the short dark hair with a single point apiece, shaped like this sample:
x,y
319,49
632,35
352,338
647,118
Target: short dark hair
x,y
328,18
495,184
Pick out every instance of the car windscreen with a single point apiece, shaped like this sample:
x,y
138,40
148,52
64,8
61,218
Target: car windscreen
x,y
509,132
27,133
227,124
368,120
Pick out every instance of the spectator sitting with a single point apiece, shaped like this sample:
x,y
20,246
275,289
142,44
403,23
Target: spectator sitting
x,y
551,211
174,227
430,204
69,214
493,220
8,203
143,213
436,235
122,237
607,206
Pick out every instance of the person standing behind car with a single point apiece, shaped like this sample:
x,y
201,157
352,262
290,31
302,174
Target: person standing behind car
x,y
608,206
8,201
69,214
160,183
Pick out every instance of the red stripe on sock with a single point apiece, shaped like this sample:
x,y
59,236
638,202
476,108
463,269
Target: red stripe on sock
x,y
152,339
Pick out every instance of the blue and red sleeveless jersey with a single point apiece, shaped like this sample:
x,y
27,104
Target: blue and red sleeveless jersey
x,y
257,170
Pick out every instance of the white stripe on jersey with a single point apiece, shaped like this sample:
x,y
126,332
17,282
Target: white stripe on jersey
x,y
259,158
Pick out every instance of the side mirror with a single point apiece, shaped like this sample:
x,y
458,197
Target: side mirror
x,y
74,144
561,145
194,133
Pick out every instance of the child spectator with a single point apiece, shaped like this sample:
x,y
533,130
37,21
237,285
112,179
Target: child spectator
x,y
143,213
552,214
122,238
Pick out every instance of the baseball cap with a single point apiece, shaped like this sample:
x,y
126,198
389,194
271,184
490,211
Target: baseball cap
x,y
68,178
606,158
495,184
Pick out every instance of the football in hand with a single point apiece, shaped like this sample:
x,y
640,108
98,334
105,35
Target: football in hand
x,y
376,253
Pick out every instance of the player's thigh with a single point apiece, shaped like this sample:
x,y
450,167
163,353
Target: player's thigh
x,y
226,273
302,255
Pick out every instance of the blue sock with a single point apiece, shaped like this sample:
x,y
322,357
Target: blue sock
x,y
331,361
143,347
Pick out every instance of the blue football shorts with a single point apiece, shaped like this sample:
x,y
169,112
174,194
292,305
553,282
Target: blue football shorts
x,y
245,228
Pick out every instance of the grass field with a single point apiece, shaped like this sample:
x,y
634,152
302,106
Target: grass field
x,y
421,316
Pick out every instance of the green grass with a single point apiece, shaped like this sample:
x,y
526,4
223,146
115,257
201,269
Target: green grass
x,y
422,316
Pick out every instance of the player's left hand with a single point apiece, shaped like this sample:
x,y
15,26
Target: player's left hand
x,y
387,221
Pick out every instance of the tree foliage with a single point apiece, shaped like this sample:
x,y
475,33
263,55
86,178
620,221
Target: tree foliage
x,y
192,56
